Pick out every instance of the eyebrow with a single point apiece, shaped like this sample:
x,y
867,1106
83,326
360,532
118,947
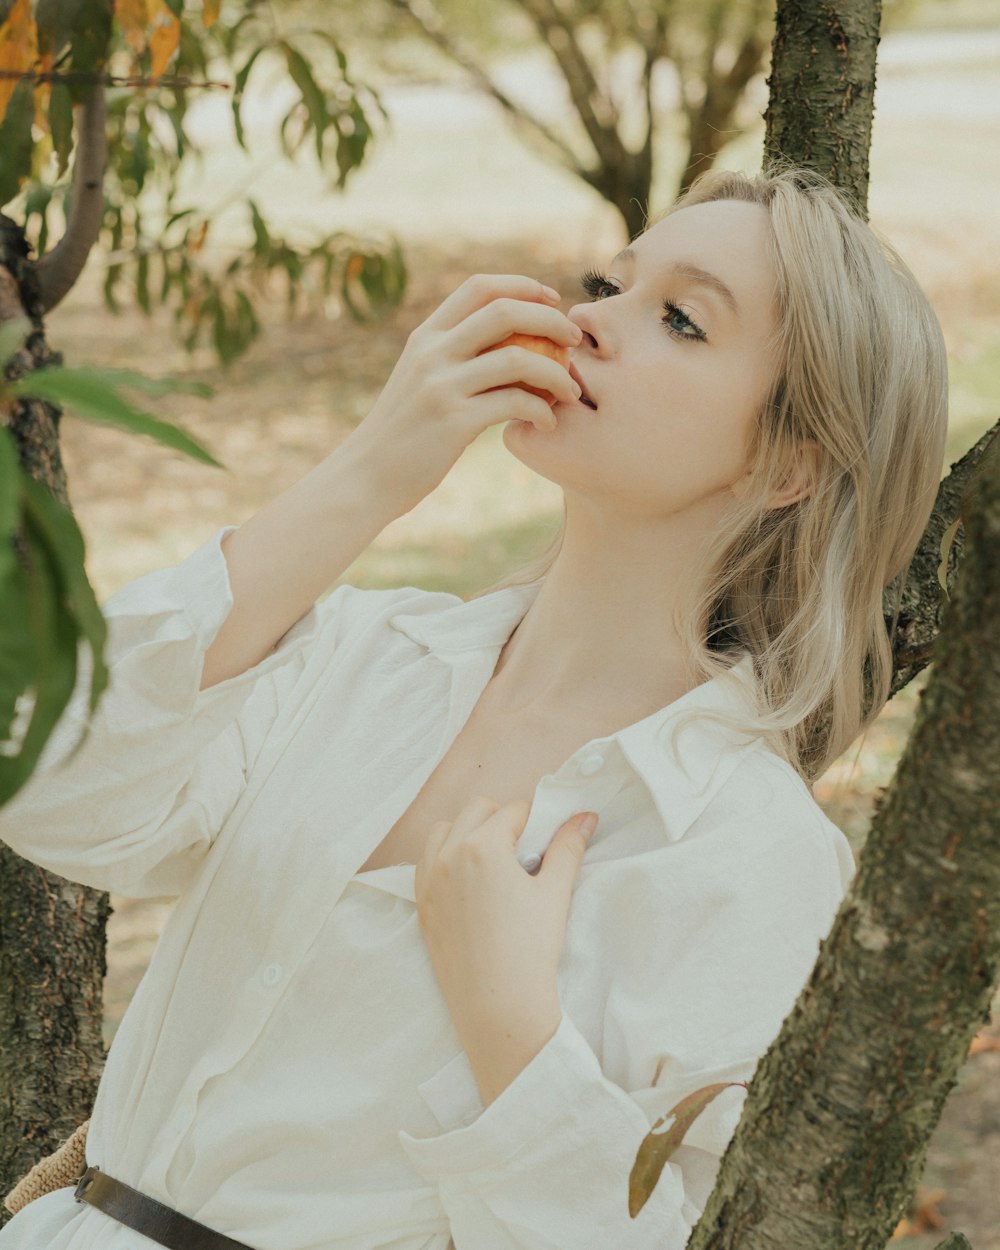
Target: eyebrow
x,y
696,274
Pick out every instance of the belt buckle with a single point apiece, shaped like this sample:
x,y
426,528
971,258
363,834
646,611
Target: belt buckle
x,y
84,1183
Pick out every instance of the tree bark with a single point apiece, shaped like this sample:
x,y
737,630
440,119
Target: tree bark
x,y
861,1069
52,931
860,1072
822,89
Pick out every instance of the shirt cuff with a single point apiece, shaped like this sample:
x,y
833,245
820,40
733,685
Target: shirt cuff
x,y
558,1074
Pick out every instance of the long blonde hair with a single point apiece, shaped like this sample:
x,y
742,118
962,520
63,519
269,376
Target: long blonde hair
x,y
862,374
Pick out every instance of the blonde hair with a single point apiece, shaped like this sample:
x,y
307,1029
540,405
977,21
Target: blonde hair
x,y
862,375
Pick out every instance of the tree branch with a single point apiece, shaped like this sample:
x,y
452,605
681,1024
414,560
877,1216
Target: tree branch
x,y
432,24
59,269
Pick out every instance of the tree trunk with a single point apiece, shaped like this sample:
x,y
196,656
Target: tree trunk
x,y
52,931
859,1074
822,89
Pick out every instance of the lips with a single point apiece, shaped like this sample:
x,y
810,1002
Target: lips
x,y
574,373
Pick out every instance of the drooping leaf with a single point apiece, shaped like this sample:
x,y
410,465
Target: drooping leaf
x,y
90,37
135,18
238,89
18,50
38,642
164,40
61,125
312,96
55,19
57,525
16,143
93,395
656,1148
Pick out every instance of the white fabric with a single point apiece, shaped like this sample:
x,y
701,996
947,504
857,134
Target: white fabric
x,y
287,1072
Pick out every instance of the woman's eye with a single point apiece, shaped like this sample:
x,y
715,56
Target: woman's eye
x,y
596,285
679,323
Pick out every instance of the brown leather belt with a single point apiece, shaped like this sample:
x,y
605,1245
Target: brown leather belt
x,y
147,1216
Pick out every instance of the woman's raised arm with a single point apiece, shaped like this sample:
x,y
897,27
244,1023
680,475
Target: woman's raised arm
x,y
439,397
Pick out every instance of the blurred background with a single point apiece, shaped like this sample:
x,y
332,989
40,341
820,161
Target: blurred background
x,y
464,190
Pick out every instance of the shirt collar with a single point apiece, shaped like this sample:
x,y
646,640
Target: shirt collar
x,y
708,751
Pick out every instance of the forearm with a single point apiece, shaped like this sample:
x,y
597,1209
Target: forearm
x,y
292,551
498,1050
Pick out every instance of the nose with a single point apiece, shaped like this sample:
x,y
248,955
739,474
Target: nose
x,y
583,316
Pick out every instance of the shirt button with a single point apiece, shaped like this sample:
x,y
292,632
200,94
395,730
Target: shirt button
x,y
273,974
591,763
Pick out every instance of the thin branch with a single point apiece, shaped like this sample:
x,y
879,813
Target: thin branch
x,y
110,80
59,269
431,23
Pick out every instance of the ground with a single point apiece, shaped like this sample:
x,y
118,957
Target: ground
x,y
462,205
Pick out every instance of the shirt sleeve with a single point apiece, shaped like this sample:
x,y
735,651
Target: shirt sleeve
x,y
138,805
720,951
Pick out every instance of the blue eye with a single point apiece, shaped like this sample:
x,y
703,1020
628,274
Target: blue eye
x,y
677,322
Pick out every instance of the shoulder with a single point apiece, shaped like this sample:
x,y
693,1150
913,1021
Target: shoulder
x,y
766,810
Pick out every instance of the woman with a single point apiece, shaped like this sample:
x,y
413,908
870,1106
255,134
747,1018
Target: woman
x,y
403,1000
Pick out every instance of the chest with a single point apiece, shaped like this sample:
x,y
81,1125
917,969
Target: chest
x,y
501,757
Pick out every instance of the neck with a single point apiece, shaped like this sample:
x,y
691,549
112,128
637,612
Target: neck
x,y
600,632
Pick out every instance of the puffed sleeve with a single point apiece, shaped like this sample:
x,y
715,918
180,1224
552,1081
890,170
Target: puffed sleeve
x,y
698,953
136,808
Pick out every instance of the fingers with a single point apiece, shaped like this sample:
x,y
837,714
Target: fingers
x,y
495,321
480,811
509,365
479,290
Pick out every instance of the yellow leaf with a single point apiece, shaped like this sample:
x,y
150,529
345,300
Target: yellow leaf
x,y
210,13
656,1148
164,40
135,17
18,48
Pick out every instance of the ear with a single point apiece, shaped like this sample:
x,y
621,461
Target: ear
x,y
800,479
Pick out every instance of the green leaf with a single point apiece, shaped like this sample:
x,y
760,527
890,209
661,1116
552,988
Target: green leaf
x,y
16,142
10,466
12,336
38,648
238,89
62,535
90,36
656,1148
312,96
262,237
61,124
91,394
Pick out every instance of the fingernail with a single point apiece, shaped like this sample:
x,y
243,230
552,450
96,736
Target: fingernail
x,y
576,391
551,293
588,824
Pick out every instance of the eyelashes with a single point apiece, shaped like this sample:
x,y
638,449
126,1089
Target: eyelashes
x,y
676,321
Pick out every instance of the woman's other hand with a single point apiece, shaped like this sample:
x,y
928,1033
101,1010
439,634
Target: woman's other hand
x,y
495,933
438,397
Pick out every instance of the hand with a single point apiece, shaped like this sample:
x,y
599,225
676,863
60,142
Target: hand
x,y
438,397
495,933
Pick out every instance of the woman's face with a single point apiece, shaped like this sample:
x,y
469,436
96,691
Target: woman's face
x,y
675,357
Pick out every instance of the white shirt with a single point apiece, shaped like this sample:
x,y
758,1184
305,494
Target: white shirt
x,y
287,1072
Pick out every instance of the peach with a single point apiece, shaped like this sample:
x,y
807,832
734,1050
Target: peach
x,y
533,343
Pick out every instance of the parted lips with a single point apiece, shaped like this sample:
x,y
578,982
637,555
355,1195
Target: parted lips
x,y
533,343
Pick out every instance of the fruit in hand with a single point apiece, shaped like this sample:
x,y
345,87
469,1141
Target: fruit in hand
x,y
533,343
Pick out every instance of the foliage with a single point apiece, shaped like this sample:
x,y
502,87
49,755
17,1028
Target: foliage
x,y
158,245
49,605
